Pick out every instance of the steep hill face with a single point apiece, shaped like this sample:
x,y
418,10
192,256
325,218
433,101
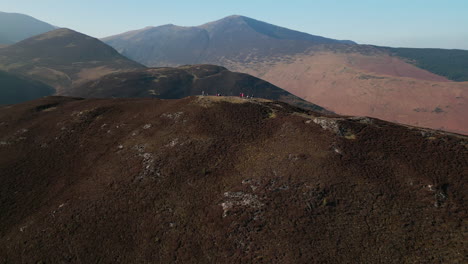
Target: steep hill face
x,y
16,27
15,89
224,180
176,83
409,86
63,58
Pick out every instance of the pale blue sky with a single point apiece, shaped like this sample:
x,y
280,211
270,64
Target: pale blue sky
x,y
398,23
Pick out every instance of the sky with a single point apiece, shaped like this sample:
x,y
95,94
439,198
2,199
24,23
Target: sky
x,y
395,23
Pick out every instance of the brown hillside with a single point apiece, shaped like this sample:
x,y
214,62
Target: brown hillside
x,y
224,180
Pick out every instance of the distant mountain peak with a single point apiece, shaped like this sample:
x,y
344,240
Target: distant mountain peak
x,y
58,38
231,17
170,26
65,31
57,43
234,36
234,20
235,16
235,23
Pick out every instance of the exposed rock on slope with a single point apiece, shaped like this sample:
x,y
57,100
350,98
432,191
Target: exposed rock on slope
x,y
224,180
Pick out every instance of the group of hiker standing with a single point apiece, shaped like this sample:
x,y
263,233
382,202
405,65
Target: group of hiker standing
x,y
241,95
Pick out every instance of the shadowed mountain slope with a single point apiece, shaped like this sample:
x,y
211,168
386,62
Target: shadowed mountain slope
x,y
16,27
176,83
63,58
15,89
224,180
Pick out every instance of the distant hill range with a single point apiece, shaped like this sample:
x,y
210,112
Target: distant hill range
x,y
242,39
16,27
411,86
73,64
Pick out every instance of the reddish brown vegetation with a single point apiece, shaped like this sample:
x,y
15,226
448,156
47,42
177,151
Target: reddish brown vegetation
x,y
218,180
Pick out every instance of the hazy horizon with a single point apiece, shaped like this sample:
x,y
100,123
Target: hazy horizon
x,y
419,24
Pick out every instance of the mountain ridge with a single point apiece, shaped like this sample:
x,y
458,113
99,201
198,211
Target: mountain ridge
x,y
209,40
237,18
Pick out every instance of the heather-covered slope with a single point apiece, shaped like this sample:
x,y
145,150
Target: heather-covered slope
x,y
224,180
